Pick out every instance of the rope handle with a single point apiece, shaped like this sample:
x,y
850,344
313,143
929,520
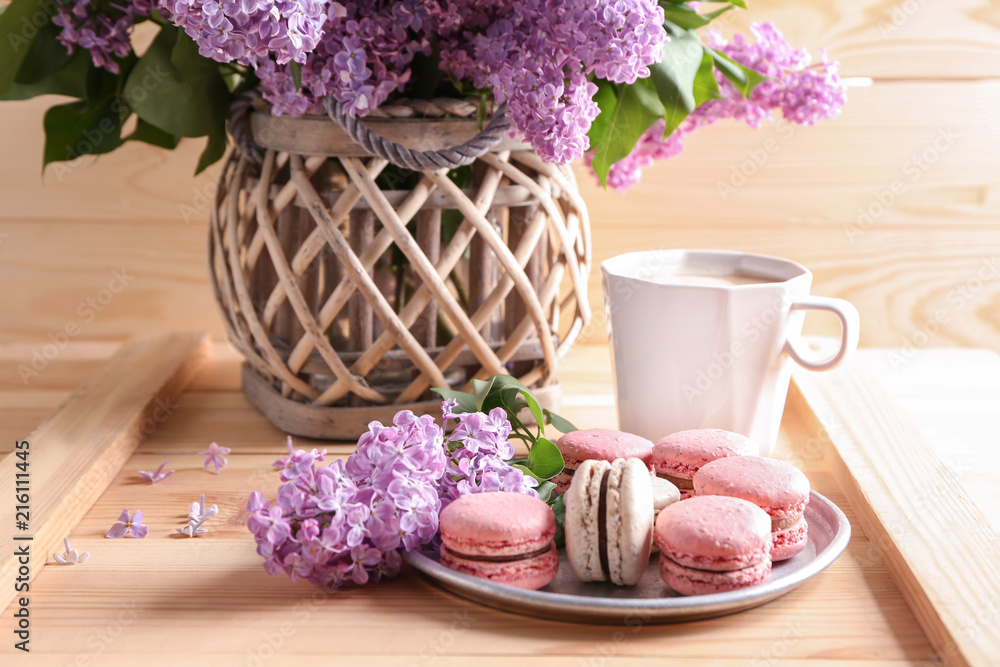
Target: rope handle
x,y
445,158
372,142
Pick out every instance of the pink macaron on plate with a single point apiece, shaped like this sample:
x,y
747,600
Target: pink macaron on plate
x,y
650,601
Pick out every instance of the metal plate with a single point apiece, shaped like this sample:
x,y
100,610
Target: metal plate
x,y
651,601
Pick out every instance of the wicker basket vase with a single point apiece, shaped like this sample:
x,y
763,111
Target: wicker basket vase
x,y
352,286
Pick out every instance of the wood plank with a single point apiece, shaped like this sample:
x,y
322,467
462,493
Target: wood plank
x,y
953,396
74,455
176,585
141,596
936,543
65,237
888,39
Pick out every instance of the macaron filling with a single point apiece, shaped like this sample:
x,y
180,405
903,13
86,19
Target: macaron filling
x,y
602,524
484,558
680,482
787,522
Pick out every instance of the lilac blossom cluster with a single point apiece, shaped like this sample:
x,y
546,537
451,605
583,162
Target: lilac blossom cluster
x,y
802,91
363,57
104,29
536,55
478,455
348,522
251,31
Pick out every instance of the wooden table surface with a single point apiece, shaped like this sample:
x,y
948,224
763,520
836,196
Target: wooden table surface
x,y
169,598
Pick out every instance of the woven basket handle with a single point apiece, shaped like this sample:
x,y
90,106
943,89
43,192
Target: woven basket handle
x,y
446,158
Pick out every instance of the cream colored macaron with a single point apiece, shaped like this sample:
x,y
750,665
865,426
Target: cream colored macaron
x,y
664,494
609,521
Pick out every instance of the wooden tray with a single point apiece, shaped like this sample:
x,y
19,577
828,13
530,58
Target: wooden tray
x,y
168,598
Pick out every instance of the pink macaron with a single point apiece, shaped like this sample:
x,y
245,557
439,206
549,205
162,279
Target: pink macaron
x,y
503,537
779,488
601,445
713,544
678,457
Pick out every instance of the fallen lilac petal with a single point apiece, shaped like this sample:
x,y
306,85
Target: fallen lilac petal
x,y
117,530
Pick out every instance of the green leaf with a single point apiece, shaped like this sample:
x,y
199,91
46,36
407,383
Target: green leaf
x,y
466,401
706,87
545,459
176,89
481,390
674,77
214,150
545,490
19,25
563,425
536,409
87,127
150,134
526,470
684,17
558,506
627,111
69,80
296,71
741,76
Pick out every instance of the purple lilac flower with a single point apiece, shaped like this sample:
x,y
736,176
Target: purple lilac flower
x,y
104,30
803,92
158,475
536,55
347,521
216,455
250,31
478,451
131,526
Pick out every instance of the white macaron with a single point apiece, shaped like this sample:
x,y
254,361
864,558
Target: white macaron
x,y
609,521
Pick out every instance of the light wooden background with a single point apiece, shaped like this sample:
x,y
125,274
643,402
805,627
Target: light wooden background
x,y
924,269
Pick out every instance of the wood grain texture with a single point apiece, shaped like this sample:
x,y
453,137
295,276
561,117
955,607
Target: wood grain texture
x,y
816,197
935,541
207,600
70,459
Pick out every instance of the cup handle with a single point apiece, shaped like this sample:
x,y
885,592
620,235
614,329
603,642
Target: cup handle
x,y
850,326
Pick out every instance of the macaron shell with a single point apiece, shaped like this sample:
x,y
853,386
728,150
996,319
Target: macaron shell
x,y
581,522
790,541
779,488
629,521
530,573
602,444
716,533
497,524
690,581
664,494
562,482
682,454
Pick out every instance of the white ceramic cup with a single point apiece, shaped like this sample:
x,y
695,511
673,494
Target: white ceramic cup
x,y
693,351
